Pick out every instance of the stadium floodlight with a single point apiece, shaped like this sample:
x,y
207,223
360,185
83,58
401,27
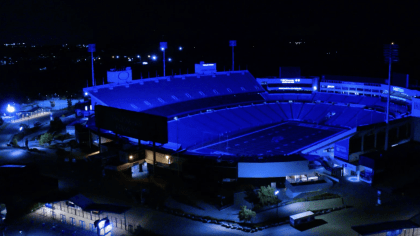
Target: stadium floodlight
x,y
232,43
163,47
391,55
10,109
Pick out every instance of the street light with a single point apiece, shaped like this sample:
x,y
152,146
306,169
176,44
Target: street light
x,y
275,194
232,43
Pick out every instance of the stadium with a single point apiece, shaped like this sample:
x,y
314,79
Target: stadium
x,y
230,126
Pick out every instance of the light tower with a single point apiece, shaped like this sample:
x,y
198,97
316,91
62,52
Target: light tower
x,y
232,43
92,49
391,55
163,47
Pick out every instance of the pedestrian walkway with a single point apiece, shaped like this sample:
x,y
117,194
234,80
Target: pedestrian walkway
x,y
231,213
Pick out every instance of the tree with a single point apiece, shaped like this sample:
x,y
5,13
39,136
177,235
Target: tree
x,y
73,144
246,214
267,196
56,125
45,138
69,103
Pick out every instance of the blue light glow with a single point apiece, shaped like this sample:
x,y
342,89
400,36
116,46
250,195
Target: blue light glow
x,y
138,56
145,63
10,108
353,179
86,93
276,192
169,59
117,56
154,57
20,129
314,87
180,48
163,49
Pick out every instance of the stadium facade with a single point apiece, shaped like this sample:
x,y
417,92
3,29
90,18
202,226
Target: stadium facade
x,y
230,125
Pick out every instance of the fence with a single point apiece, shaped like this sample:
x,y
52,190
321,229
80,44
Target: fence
x,y
60,211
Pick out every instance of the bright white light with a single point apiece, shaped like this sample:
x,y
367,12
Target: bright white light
x,y
162,49
20,129
10,108
314,87
101,224
138,56
86,93
180,48
90,107
108,228
276,192
169,59
154,57
167,157
85,108
145,63
131,157
353,179
117,56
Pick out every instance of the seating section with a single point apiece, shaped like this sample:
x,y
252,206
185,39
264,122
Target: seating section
x,y
144,94
217,124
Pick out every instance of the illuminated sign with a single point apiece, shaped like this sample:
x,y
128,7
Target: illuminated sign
x,y
287,81
290,88
208,64
330,86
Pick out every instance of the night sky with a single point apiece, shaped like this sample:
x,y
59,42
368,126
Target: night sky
x,y
356,30
59,22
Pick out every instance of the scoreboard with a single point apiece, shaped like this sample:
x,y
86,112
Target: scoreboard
x,y
290,85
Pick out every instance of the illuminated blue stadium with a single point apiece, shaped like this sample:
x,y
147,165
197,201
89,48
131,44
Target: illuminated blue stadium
x,y
140,95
